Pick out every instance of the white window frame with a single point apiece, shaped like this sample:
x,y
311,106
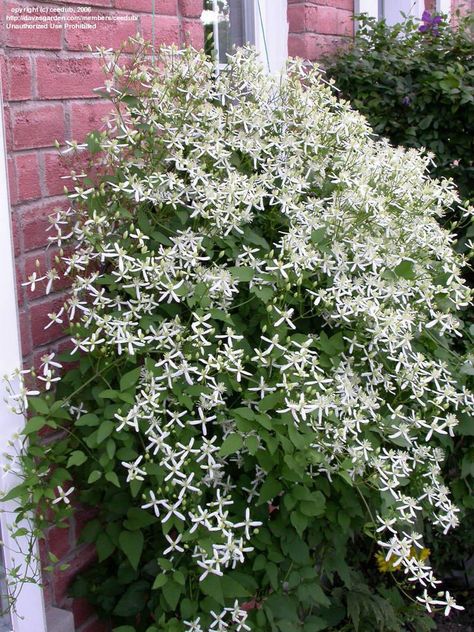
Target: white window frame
x,y
271,33
30,611
444,6
270,20
30,614
372,7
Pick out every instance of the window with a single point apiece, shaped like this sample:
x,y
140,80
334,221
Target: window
x,y
391,10
261,23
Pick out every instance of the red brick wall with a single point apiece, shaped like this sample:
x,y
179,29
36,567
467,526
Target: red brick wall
x,y
48,78
466,6
318,27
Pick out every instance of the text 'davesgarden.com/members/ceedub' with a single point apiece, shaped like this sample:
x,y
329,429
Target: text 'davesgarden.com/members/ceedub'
x,y
57,17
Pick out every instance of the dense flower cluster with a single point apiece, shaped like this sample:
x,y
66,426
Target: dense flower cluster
x,y
266,263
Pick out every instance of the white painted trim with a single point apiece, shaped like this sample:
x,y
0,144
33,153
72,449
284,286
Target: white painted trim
x,y
30,605
444,6
393,9
271,33
371,7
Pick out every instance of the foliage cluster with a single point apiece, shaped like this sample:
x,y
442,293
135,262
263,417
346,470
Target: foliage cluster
x,y
264,314
415,85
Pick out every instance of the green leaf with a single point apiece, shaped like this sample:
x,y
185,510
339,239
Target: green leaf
x,y
318,235
105,547
232,589
93,142
212,586
252,444
299,522
33,425
139,518
112,478
77,458
159,582
466,426
353,608
105,429
129,379
270,401
134,599
263,292
39,405
315,506
242,273
405,270
88,420
245,413
131,543
15,492
94,476
231,444
269,490
172,593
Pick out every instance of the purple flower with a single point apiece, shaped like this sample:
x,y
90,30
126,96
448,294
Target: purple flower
x,y
430,23
406,101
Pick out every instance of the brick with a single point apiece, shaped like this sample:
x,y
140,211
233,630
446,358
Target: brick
x,y
193,34
163,7
57,172
86,117
96,626
15,224
48,38
322,20
34,222
345,23
18,78
82,517
313,46
110,33
12,183
19,289
75,77
64,282
82,611
25,336
27,177
61,580
7,128
59,541
338,4
37,126
47,592
39,319
297,18
191,8
166,29
94,3
325,20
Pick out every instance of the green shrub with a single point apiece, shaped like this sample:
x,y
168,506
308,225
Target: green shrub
x,y
415,85
264,311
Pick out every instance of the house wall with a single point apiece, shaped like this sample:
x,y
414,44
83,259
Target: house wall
x,y
318,27
48,81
